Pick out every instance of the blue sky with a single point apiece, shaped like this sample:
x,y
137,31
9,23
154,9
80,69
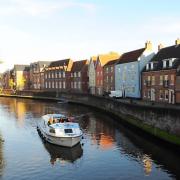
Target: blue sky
x,y
32,30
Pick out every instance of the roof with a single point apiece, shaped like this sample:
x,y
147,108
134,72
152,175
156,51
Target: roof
x,y
63,62
104,58
167,52
20,67
131,56
111,62
78,65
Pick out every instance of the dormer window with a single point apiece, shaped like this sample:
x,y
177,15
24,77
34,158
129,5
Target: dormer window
x,y
152,65
147,66
164,64
171,62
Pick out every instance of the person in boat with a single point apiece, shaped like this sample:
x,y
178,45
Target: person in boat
x,y
50,121
54,120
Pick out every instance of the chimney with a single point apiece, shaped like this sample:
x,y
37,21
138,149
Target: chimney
x,y
160,46
177,42
148,45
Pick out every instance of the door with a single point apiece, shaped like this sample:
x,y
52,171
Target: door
x,y
152,94
171,96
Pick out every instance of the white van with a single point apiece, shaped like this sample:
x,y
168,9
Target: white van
x,y
116,94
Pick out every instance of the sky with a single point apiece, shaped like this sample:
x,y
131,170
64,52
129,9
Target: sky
x,y
33,30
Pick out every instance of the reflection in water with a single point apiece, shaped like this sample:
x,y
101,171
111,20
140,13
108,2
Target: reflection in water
x,y
147,164
63,154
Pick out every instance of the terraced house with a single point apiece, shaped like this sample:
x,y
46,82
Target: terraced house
x,y
109,76
37,74
101,61
79,76
21,77
92,75
160,78
128,70
57,76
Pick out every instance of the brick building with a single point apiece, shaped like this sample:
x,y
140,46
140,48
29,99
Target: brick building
x,y
159,78
79,76
37,74
109,76
57,76
101,61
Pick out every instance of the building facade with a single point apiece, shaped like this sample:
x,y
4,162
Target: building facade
x,y
101,61
57,76
109,76
160,79
21,77
37,74
79,76
128,70
92,75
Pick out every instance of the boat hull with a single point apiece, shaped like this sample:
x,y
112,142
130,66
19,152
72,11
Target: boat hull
x,y
61,141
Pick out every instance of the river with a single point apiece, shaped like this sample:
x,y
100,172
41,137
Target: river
x,y
108,150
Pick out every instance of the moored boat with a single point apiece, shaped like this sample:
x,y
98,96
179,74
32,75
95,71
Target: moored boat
x,y
57,129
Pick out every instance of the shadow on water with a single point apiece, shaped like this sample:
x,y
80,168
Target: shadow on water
x,y
146,151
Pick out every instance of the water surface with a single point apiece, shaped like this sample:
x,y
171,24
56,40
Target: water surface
x,y
108,150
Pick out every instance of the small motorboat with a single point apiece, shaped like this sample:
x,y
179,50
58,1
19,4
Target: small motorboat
x,y
57,129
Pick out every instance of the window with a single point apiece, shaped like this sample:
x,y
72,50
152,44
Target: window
x,y
49,84
63,74
172,79
72,85
46,85
170,63
60,85
107,79
144,82
45,76
161,94
52,74
56,84
52,84
153,80
79,74
111,79
79,85
161,80
147,66
152,65
55,74
149,93
74,74
119,70
64,84
106,69
164,64
111,68
71,74
166,95
60,74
